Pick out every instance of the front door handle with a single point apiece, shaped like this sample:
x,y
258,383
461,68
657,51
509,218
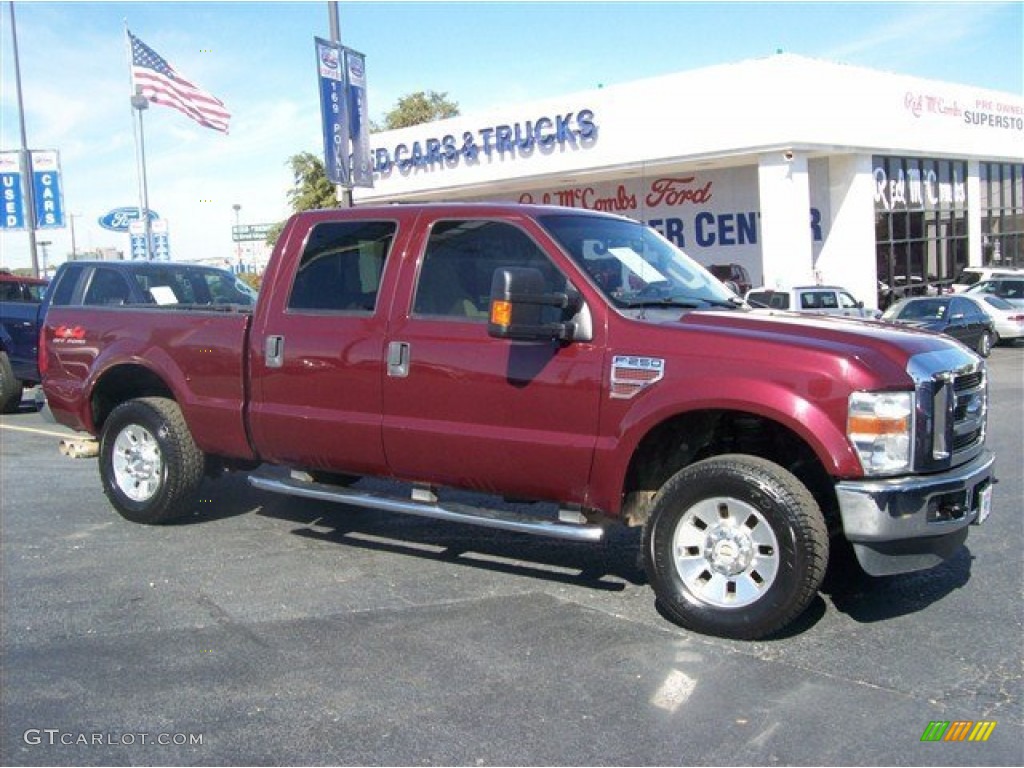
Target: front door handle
x,y
398,359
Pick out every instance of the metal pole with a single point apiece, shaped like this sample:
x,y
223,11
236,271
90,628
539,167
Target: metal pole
x,y
238,237
74,249
140,103
343,193
26,157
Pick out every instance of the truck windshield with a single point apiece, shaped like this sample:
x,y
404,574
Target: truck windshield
x,y
633,265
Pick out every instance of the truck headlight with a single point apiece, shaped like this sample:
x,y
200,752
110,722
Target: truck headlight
x,y
881,427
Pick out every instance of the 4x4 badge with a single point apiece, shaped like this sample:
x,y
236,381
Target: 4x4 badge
x,y
631,374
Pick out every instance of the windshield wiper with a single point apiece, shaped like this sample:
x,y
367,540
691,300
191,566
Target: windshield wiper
x,y
683,302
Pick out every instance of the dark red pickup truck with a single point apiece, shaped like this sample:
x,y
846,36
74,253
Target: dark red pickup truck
x,y
549,354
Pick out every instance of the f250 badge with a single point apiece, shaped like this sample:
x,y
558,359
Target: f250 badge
x,y
631,374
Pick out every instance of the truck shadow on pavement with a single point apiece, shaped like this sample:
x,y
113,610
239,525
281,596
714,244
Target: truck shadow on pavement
x,y
608,565
868,599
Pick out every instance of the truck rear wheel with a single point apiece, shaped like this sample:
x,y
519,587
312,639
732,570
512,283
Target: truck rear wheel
x,y
10,387
149,464
735,546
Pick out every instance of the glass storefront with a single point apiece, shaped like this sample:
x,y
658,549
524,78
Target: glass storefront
x,y
920,225
1002,214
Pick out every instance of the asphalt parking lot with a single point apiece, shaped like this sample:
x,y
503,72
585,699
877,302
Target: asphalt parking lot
x,y
274,631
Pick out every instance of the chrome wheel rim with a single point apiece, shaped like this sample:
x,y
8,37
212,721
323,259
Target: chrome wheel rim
x,y
137,463
725,552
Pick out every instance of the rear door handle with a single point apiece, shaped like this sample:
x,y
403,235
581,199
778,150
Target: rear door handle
x,y
398,359
274,348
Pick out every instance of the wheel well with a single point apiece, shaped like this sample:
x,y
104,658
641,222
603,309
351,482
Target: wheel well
x,y
123,383
691,437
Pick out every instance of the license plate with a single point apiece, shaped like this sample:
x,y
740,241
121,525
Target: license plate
x,y
984,504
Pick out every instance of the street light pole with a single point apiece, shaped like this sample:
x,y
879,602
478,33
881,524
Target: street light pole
x,y
74,248
45,244
238,237
342,192
26,155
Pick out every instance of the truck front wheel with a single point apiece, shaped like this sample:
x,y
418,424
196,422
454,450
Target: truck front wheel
x,y
735,546
149,464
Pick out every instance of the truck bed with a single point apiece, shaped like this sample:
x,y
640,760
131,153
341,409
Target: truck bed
x,y
199,354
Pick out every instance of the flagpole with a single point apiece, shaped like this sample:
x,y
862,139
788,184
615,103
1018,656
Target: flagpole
x,y
139,103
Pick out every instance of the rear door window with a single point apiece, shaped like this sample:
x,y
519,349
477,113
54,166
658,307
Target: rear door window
x,y
341,267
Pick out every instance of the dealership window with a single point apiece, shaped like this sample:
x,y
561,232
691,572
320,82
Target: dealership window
x,y
920,225
1002,214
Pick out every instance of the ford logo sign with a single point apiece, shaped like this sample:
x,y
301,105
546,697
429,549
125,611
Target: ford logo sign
x,y
356,65
118,219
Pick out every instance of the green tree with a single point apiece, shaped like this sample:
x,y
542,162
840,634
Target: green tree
x,y
311,189
420,107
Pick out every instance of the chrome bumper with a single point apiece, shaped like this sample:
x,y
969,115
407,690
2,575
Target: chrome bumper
x,y
907,524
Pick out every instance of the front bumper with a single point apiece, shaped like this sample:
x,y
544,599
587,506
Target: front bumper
x,y
907,524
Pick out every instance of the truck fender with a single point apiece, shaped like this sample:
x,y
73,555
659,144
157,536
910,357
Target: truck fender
x,y
815,422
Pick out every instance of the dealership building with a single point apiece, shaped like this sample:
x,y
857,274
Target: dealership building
x,y
800,170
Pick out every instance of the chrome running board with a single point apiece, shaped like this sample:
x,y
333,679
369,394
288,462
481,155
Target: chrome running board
x,y
449,511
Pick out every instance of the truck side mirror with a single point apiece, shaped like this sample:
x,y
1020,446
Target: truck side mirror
x,y
517,300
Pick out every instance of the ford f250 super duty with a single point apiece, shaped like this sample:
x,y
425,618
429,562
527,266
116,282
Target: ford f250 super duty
x,y
548,354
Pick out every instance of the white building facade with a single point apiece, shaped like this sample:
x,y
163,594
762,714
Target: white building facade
x,y
798,169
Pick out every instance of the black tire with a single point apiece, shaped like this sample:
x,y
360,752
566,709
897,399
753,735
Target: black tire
x,y
984,347
10,387
150,467
756,563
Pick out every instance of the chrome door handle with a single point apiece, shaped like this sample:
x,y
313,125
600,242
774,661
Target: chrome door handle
x,y
274,348
398,359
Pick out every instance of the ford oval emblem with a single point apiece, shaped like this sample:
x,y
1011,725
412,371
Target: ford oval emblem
x,y
118,219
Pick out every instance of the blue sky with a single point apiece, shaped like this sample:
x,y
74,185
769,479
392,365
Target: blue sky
x,y
258,58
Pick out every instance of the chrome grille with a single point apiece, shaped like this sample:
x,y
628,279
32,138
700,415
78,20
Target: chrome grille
x,y
952,408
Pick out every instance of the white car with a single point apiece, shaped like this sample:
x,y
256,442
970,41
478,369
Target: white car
x,y
1009,288
819,299
1008,319
970,276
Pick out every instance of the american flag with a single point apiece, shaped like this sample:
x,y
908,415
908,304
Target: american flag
x,y
157,80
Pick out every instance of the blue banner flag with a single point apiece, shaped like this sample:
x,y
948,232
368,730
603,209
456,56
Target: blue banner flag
x,y
334,110
359,120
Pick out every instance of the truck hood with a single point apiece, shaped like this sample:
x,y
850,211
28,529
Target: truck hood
x,y
768,340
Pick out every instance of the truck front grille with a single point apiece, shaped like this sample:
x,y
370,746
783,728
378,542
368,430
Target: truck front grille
x,y
957,402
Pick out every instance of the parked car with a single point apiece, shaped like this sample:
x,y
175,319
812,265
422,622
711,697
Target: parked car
x,y
20,300
954,315
821,299
736,274
1009,288
1008,319
971,275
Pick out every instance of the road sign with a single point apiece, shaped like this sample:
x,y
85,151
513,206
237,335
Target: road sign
x,y
250,232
